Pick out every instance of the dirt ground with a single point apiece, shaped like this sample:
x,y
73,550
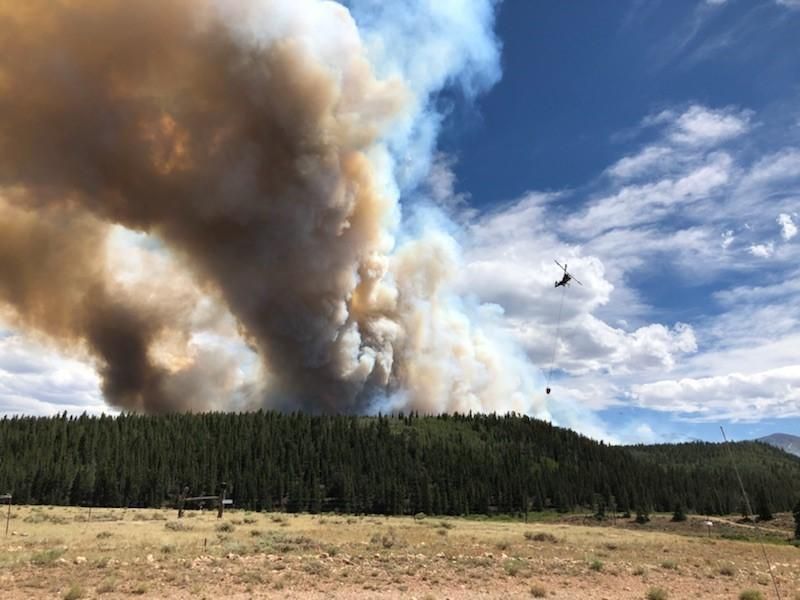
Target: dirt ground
x,y
55,552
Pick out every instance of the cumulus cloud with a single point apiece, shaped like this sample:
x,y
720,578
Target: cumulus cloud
x,y
734,396
788,227
36,380
509,262
700,125
688,191
762,250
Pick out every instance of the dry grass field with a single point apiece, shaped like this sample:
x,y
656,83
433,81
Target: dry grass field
x,y
55,552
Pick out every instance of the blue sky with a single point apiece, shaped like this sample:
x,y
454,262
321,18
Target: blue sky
x,y
654,146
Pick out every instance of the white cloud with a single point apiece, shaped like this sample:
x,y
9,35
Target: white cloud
x,y
733,396
509,262
35,380
788,3
727,239
762,250
676,202
638,164
590,344
716,2
650,202
775,168
701,125
788,228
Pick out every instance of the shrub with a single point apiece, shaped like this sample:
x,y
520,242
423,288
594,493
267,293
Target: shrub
x,y
315,567
75,592
108,586
751,595
727,570
670,564
538,591
656,593
596,565
514,566
540,537
224,527
177,526
46,558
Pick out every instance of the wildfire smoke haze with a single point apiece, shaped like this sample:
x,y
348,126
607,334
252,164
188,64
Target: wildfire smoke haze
x,y
255,147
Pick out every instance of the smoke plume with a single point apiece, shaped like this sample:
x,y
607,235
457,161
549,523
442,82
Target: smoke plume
x,y
261,146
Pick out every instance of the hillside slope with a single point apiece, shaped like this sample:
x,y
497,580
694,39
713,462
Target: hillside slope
x,y
449,464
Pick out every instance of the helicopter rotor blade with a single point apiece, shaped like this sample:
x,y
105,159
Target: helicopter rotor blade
x,y
576,281
560,265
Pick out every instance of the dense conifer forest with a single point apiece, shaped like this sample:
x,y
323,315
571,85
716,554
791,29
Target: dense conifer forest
x,y
405,464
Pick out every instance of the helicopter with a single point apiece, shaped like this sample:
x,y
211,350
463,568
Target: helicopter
x,y
566,278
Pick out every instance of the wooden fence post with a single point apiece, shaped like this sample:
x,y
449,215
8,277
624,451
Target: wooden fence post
x,y
7,498
221,500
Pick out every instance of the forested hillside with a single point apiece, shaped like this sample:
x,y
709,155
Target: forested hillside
x,y
405,464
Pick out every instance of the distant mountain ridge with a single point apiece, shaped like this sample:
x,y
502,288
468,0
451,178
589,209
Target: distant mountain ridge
x,y
784,441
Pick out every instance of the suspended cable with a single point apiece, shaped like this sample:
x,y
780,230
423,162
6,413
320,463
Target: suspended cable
x,y
558,333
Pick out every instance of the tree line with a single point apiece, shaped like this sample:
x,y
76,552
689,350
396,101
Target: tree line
x,y
400,464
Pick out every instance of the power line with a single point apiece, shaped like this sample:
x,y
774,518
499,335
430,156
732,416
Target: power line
x,y
750,513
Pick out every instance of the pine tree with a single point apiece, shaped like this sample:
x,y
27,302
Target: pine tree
x,y
796,512
458,465
678,515
762,506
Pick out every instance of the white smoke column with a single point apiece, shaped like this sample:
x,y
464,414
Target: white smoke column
x,y
453,354
430,46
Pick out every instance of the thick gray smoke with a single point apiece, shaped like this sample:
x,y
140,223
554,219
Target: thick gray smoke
x,y
259,143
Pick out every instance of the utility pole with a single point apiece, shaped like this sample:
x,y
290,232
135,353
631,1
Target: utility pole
x,y
182,500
